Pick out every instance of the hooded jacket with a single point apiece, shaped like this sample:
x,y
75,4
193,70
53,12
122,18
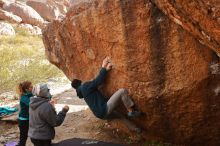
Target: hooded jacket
x,y
43,118
92,96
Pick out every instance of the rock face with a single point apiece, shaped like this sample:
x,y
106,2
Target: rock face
x,y
2,2
76,2
165,52
202,21
49,9
9,17
28,14
6,29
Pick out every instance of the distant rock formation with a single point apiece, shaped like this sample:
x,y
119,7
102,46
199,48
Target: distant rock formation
x,y
50,9
9,17
48,12
2,2
6,29
28,14
76,2
165,52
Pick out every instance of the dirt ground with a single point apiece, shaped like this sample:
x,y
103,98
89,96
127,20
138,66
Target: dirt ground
x,y
81,124
76,125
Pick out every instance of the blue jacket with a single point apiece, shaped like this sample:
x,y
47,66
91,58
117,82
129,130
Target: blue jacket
x,y
92,96
24,106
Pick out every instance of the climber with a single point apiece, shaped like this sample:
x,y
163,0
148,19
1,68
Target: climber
x,y
100,105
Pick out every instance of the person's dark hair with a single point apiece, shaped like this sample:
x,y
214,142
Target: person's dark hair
x,y
76,83
22,87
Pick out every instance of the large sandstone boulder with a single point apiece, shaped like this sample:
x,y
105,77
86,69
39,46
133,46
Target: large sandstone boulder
x,y
6,29
76,2
201,19
9,17
2,2
63,5
48,12
165,53
49,9
28,14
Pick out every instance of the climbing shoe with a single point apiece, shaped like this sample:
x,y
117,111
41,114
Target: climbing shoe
x,y
133,114
138,130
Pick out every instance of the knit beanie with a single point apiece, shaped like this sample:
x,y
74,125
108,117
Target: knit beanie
x,y
76,83
41,90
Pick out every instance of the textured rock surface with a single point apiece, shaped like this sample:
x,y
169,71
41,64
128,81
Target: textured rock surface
x,y
199,17
164,52
2,2
9,17
49,9
27,14
6,29
76,2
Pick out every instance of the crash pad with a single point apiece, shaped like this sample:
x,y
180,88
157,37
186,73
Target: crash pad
x,y
84,142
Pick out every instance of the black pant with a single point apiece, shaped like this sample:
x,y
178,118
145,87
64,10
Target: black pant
x,y
38,142
23,127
